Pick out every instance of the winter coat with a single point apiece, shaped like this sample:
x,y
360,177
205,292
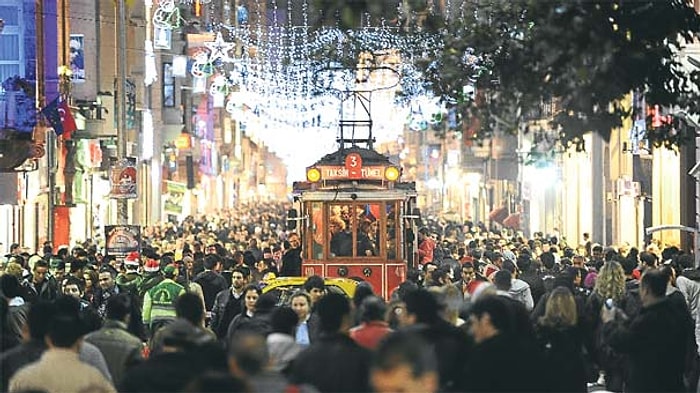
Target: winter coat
x,y
18,357
17,314
656,344
691,291
129,282
520,291
170,372
46,290
159,302
150,280
120,348
212,283
291,263
182,333
368,334
563,358
452,348
534,280
334,363
485,370
283,349
259,323
226,307
60,370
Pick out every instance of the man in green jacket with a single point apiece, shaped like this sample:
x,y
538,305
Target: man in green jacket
x,y
159,301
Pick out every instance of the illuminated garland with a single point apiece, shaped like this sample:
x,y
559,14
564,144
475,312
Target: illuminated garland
x,y
285,83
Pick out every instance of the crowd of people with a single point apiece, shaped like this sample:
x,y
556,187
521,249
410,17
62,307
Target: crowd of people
x,y
481,311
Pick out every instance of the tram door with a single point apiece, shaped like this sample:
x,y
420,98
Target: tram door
x,y
358,239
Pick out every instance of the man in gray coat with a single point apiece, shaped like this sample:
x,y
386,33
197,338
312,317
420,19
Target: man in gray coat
x,y
120,348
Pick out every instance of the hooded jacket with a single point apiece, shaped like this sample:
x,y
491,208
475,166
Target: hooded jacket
x,y
520,291
283,349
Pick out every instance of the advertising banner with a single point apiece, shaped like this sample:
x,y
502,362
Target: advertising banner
x,y
174,196
120,240
123,180
77,58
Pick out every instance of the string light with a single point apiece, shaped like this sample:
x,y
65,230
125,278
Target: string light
x,y
281,77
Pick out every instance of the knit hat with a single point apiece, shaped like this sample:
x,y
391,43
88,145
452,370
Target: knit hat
x,y
151,265
169,270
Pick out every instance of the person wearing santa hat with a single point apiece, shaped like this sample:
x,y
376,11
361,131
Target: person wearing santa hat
x,y
151,275
130,279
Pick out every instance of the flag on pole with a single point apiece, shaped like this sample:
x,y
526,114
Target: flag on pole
x,y
58,114
67,120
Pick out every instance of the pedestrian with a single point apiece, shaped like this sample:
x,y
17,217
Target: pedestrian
x,y
59,368
655,341
120,348
189,322
452,346
281,343
229,302
159,301
211,281
561,343
308,328
334,363
404,362
497,337
291,260
373,328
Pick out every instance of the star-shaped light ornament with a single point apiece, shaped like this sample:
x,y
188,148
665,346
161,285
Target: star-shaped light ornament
x,y
219,49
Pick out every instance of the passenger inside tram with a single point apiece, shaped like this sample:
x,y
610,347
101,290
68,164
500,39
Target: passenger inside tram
x,y
341,238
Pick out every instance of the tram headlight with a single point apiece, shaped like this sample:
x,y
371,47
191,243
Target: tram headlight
x,y
313,175
391,173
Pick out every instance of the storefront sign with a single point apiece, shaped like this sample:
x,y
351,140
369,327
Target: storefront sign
x,y
120,240
174,197
123,180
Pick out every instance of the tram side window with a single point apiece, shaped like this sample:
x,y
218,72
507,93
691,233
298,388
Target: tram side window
x,y
340,225
391,243
317,230
368,234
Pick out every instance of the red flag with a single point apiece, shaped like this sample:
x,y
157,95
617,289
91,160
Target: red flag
x,y
67,120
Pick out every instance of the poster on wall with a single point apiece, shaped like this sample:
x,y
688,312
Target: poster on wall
x,y
174,197
123,180
120,240
77,58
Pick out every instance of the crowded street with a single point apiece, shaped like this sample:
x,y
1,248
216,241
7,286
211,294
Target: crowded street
x,y
349,196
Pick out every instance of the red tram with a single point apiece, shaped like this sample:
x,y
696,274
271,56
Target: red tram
x,y
356,218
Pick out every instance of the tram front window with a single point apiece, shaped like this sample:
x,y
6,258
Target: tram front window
x,y
354,229
340,228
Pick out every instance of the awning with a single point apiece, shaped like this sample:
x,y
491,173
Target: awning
x,y
498,214
512,221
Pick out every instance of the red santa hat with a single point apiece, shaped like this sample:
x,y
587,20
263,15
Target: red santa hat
x,y
151,265
132,258
490,271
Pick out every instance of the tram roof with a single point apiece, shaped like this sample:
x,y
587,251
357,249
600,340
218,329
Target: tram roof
x,y
369,157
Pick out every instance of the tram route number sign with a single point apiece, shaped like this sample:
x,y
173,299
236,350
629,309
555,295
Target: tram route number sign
x,y
120,240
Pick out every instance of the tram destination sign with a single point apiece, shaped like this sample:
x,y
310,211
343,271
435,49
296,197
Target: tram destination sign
x,y
343,173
